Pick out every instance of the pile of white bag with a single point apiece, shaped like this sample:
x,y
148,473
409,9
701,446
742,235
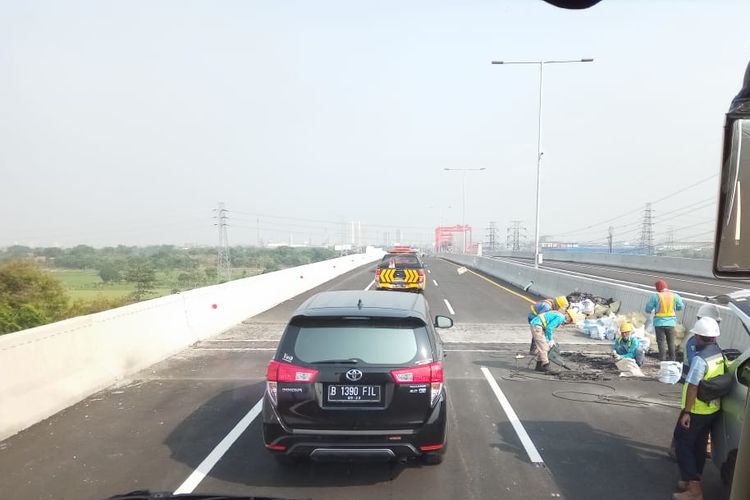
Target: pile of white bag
x,y
670,372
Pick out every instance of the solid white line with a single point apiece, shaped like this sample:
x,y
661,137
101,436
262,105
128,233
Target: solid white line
x,y
448,305
371,283
607,279
551,266
210,461
531,450
435,282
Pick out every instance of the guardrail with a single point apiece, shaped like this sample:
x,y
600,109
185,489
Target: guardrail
x,y
677,265
548,283
48,368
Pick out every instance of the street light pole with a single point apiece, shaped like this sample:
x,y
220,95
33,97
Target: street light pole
x,y
539,152
463,194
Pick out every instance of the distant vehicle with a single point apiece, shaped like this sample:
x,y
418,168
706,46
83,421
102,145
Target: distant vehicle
x,y
358,375
401,269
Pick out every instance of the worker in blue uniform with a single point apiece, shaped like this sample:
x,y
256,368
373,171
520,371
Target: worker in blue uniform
x,y
664,304
553,304
542,330
627,346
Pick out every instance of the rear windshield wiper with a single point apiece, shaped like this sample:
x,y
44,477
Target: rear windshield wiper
x,y
348,361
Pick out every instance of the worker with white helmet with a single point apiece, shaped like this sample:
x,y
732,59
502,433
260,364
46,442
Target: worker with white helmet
x,y
697,416
705,311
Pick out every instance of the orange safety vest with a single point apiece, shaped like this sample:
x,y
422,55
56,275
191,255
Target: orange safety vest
x,y
666,305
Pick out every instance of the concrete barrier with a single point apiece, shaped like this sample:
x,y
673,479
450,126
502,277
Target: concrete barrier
x,y
548,283
46,369
676,265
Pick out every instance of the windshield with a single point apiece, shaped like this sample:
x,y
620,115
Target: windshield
x,y
400,260
371,345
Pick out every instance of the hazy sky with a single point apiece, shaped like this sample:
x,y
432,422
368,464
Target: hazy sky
x,y
127,121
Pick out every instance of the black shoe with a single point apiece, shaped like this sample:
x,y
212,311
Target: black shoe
x,y
547,369
538,367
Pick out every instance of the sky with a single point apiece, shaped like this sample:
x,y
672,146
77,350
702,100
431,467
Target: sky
x,y
128,122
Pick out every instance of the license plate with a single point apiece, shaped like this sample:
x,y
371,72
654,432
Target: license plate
x,y
353,393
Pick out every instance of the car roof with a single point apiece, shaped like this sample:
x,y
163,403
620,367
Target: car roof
x,y
374,303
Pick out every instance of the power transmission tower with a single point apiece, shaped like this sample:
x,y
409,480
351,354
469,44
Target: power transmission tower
x,y
670,239
647,230
610,237
515,233
491,237
223,267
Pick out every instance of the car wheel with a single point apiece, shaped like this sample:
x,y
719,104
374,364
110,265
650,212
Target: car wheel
x,y
727,468
432,458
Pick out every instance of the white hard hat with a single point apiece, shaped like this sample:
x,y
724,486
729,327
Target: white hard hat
x,y
709,311
706,327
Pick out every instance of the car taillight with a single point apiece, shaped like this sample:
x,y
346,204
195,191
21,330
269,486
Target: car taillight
x,y
377,272
284,372
425,374
421,275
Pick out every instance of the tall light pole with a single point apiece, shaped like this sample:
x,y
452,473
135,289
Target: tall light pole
x,y
539,152
463,193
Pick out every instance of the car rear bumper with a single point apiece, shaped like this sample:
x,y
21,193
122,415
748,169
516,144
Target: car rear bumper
x,y
353,444
401,286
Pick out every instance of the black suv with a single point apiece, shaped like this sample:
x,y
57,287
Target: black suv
x,y
358,375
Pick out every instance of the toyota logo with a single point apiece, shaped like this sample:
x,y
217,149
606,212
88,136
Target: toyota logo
x,y
354,374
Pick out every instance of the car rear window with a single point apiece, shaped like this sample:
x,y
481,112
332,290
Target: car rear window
x,y
372,344
402,259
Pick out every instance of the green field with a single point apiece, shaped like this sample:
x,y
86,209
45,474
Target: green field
x,y
87,285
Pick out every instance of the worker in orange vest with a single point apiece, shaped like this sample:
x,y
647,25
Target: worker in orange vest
x,y
664,304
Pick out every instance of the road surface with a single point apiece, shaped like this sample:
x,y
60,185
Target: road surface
x,y
156,430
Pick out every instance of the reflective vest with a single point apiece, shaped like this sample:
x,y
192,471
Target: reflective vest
x,y
666,305
543,319
715,362
534,307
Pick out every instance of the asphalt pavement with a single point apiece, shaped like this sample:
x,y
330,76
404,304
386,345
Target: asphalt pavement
x,y
512,433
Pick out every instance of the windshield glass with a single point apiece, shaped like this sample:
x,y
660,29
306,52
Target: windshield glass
x,y
372,345
400,260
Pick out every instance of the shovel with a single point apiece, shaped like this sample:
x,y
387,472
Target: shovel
x,y
555,357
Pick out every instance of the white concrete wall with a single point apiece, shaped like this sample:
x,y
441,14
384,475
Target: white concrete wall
x,y
549,283
677,265
46,369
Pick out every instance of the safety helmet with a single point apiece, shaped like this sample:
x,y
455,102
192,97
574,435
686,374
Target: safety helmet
x,y
706,327
709,311
660,285
562,302
626,327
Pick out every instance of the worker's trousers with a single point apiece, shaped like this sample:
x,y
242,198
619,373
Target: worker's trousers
x,y
691,445
665,341
540,341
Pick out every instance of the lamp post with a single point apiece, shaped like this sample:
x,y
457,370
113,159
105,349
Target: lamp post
x,y
463,194
539,152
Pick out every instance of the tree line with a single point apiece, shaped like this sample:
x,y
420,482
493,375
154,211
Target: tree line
x,y
31,296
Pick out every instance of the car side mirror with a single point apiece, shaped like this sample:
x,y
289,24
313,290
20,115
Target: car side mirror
x,y
443,322
732,244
